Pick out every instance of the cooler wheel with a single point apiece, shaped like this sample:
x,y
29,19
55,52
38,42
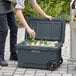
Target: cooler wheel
x,y
52,65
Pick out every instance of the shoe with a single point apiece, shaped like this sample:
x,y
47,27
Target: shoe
x,y
3,63
13,57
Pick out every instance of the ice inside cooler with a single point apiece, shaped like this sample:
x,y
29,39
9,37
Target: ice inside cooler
x,y
33,42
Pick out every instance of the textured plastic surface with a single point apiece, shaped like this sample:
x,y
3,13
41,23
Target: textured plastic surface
x,y
47,30
37,57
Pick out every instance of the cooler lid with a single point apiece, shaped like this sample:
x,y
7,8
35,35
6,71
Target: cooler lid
x,y
45,29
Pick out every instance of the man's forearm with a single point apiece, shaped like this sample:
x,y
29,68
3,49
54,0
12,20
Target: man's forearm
x,y
21,17
38,9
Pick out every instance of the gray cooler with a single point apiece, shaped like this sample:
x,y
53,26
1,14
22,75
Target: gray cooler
x,y
41,56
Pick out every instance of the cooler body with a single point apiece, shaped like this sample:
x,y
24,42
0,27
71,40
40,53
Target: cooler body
x,y
38,57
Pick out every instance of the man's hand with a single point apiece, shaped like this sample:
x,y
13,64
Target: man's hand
x,y
31,32
49,17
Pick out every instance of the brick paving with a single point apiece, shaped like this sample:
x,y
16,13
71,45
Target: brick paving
x,y
67,68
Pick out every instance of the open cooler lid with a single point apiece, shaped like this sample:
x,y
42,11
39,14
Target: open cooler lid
x,y
45,29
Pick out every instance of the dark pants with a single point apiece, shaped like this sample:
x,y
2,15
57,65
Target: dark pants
x,y
6,20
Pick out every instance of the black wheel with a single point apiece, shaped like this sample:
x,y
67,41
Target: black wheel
x,y
52,65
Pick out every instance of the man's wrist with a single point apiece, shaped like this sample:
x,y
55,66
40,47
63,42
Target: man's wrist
x,y
45,15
